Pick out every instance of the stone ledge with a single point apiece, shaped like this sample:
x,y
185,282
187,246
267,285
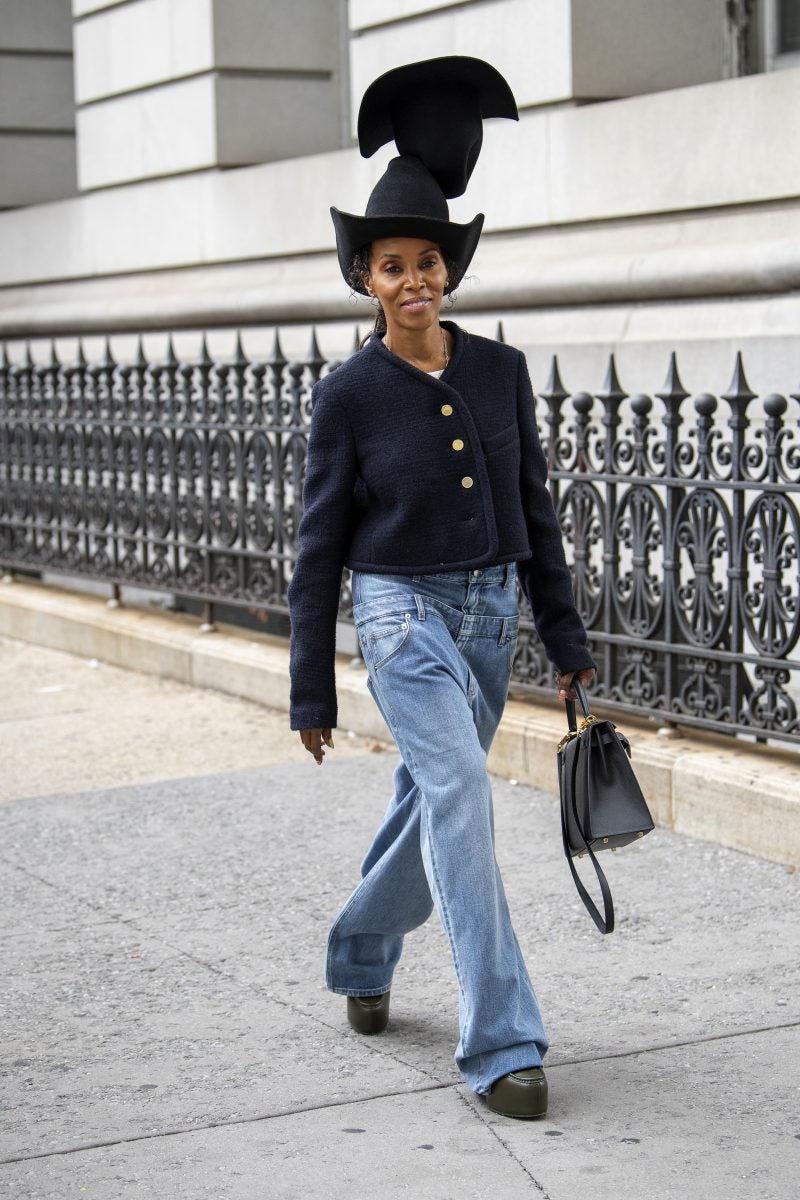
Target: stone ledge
x,y
747,798
742,251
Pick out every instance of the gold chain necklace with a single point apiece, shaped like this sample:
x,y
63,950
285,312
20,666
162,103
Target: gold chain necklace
x,y
444,348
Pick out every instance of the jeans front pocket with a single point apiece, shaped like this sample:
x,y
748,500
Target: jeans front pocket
x,y
382,635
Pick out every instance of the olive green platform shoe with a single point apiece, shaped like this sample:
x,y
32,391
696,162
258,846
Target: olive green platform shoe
x,y
520,1094
368,1014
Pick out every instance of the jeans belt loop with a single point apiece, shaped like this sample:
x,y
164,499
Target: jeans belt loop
x,y
420,606
507,579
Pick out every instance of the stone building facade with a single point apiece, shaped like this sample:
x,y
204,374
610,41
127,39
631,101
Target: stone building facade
x,y
168,164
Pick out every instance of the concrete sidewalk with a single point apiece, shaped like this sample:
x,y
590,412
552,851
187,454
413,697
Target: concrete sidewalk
x,y
167,1032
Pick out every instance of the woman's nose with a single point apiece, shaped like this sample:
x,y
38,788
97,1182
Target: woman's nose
x,y
413,277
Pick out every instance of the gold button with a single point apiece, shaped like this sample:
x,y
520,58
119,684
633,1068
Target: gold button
x,y
467,481
446,410
458,444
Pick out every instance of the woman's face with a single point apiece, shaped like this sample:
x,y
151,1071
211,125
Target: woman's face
x,y
408,275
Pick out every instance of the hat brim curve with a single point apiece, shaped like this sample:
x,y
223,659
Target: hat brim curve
x,y
353,232
375,127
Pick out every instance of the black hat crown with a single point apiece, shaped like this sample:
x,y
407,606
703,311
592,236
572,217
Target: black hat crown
x,y
407,189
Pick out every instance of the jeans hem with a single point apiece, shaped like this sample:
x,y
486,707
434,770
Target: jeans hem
x,y
519,1061
340,991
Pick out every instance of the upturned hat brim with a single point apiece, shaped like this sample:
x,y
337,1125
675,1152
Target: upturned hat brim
x,y
458,241
493,96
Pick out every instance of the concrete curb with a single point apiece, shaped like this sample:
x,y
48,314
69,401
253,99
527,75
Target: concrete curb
x,y
747,798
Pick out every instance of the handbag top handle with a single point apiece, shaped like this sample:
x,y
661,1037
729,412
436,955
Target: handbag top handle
x,y
583,701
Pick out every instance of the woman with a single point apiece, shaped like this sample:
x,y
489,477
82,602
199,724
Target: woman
x,y
425,476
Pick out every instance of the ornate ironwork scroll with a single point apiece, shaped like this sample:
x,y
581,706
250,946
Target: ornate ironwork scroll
x,y
680,516
182,476
682,530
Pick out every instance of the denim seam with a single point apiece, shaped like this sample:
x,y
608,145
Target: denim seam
x,y
372,672
445,914
333,933
331,938
512,650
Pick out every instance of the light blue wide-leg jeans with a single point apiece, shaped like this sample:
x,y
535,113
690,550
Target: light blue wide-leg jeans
x,y
438,649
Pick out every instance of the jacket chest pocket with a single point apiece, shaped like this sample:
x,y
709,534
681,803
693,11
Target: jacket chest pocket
x,y
508,436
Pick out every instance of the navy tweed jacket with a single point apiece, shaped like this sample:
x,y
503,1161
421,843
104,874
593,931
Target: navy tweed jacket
x,y
407,473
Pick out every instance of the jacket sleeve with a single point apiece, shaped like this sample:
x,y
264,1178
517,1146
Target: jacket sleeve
x,y
314,588
545,577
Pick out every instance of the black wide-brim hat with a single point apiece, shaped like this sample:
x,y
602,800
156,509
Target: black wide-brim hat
x,y
406,202
434,110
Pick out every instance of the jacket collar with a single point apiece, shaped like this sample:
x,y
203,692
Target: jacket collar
x,y
375,344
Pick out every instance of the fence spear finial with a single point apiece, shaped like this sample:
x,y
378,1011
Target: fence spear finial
x,y
672,389
612,388
314,353
276,357
554,391
739,389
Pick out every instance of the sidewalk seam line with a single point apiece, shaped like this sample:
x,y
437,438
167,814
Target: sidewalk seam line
x,y
243,985
372,1046
434,1087
180,1131
482,1118
660,1046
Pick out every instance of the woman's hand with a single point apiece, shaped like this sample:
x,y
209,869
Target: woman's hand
x,y
312,739
566,691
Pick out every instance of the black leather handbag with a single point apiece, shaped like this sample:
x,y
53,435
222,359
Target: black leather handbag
x,y
602,806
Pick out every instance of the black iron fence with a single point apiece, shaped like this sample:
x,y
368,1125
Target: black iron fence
x,y
680,516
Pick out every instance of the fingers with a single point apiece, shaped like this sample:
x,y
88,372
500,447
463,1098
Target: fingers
x,y
312,740
566,690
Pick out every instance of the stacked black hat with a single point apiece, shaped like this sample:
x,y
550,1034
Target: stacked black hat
x,y
434,112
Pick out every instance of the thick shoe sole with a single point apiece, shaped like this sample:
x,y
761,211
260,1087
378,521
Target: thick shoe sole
x,y
368,1014
520,1094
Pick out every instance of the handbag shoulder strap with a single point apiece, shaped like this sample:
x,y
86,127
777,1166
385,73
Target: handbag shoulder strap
x,y
604,922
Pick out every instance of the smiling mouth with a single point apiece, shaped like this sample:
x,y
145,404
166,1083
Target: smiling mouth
x,y
417,302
